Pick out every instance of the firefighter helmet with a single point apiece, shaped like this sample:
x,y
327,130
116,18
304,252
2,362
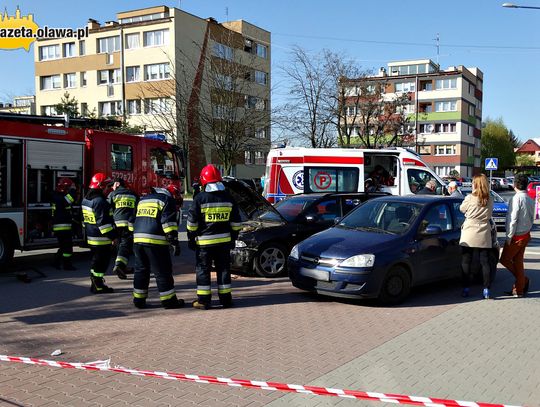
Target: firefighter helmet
x,y
210,174
174,191
64,184
99,180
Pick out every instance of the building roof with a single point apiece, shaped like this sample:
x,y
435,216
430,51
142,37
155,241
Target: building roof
x,y
530,146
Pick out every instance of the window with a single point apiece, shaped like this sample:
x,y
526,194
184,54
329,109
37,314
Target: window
x,y
330,179
49,111
155,105
223,51
445,128
350,110
437,216
132,41
426,128
49,52
405,87
69,49
446,106
70,80
425,150
471,110
260,133
109,76
248,157
223,82
259,158
262,51
133,73
446,149
444,171
248,45
156,72
146,17
425,107
256,103
84,109
471,89
446,84
108,44
83,78
121,157
261,77
155,38
418,178
50,82
82,47
222,112
162,162
427,86
110,108
134,106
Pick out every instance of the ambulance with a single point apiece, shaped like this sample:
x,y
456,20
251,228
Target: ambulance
x,y
294,170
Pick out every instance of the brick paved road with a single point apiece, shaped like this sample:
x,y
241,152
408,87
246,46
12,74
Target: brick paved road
x,y
434,345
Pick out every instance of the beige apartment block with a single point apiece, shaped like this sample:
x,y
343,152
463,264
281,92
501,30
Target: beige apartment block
x,y
445,111
150,68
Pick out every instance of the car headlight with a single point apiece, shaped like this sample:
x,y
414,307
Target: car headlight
x,y
360,260
294,253
240,244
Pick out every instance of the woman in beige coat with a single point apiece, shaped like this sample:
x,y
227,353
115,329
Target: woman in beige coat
x,y
476,232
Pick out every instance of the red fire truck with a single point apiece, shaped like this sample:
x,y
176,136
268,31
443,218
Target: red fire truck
x,y
35,151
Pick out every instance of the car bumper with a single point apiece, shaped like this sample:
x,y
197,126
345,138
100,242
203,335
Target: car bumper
x,y
326,281
242,259
500,220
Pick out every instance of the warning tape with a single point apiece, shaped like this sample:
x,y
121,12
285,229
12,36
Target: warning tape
x,y
275,386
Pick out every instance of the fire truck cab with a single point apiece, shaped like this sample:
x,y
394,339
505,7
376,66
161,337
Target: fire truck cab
x,y
35,152
292,170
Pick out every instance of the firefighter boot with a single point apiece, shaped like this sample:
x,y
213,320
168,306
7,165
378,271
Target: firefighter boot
x,y
120,272
98,286
172,303
200,305
139,302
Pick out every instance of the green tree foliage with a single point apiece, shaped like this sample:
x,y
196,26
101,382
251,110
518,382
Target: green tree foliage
x,y
497,142
525,160
68,105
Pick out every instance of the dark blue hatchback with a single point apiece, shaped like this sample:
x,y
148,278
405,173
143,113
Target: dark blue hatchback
x,y
382,248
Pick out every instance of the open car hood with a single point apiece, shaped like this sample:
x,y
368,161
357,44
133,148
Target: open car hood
x,y
250,203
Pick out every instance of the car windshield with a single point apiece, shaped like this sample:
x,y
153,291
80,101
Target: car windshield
x,y
495,195
290,208
382,216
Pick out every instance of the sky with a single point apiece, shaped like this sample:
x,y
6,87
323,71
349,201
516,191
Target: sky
x,y
503,43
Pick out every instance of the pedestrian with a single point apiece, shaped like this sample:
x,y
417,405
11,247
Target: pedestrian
x,y
155,230
476,235
429,189
62,219
453,190
519,221
100,233
213,224
123,202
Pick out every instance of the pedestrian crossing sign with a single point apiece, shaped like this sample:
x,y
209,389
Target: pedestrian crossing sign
x,y
492,163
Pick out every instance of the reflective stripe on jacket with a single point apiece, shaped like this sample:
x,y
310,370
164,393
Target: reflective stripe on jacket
x,y
123,202
61,211
155,218
97,218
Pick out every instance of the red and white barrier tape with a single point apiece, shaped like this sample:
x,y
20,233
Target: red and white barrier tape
x,y
276,386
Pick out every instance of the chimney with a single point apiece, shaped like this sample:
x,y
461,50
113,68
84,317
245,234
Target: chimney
x,y
92,24
111,23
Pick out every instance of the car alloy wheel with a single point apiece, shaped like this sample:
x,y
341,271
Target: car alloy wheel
x,y
396,286
271,261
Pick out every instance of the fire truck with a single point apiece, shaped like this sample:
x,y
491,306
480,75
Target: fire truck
x,y
35,151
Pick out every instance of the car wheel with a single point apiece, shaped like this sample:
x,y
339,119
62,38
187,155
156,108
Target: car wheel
x,y
6,249
396,286
271,260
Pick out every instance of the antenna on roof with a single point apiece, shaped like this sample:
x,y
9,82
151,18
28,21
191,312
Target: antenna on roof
x,y
226,13
437,45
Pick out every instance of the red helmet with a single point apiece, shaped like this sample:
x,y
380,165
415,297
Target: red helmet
x,y
174,191
209,174
64,184
99,180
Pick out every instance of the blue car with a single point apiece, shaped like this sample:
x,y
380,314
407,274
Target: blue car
x,y
381,249
500,207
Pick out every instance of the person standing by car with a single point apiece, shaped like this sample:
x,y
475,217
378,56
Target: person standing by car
x,y
213,224
453,191
123,202
519,221
476,233
429,189
62,218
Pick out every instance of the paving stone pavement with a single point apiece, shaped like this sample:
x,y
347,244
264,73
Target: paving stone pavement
x,y
435,344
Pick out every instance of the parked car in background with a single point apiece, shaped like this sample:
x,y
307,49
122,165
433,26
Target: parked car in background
x,y
270,232
498,183
531,189
510,182
382,248
500,207
466,182
450,179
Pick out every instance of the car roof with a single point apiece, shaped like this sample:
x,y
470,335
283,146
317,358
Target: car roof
x,y
317,195
420,199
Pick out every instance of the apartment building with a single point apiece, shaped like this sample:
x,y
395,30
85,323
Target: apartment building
x,y
155,67
444,111
20,105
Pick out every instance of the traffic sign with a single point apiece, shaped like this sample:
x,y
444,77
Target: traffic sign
x,y
492,163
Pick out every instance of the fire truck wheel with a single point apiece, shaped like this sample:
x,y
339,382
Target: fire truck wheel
x,y
271,260
6,249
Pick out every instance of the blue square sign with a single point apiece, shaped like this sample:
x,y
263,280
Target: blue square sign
x,y
492,163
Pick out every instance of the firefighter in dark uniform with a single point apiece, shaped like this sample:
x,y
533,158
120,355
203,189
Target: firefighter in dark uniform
x,y
155,230
123,202
62,219
213,224
99,227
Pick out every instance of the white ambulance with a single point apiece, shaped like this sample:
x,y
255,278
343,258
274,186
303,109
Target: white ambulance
x,y
294,170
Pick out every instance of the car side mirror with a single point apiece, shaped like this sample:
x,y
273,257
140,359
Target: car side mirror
x,y
431,230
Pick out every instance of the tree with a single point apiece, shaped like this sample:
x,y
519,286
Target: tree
x,y
525,160
68,106
516,143
496,142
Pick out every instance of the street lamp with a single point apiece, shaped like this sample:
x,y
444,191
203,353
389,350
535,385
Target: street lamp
x,y
512,5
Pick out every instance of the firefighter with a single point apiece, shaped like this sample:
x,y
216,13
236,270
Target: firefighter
x,y
213,225
100,233
155,229
123,202
62,218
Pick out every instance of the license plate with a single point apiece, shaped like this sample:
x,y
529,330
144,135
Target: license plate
x,y
499,220
320,275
